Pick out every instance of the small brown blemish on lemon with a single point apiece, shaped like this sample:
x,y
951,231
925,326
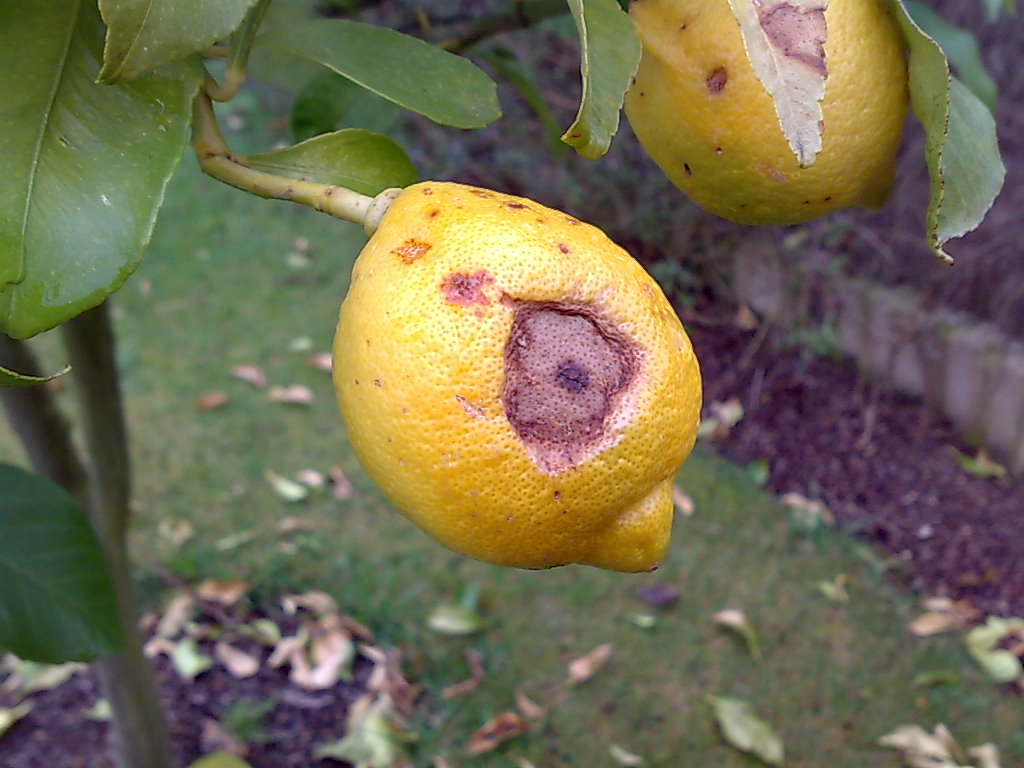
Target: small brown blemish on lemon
x,y
517,206
564,248
474,410
716,80
566,371
467,290
411,250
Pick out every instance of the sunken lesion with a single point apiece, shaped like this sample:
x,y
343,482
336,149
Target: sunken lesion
x,y
566,374
798,33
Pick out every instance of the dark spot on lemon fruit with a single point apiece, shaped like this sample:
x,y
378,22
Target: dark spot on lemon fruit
x,y
716,80
467,290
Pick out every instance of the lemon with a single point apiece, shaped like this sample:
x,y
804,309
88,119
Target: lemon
x,y
703,116
514,382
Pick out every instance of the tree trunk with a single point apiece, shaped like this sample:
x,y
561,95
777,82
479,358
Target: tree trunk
x,y
128,683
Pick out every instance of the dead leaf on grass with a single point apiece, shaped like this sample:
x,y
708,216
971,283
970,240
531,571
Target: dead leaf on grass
x,y
737,621
250,374
211,400
342,487
225,593
176,616
683,503
285,488
294,524
28,677
293,394
920,749
311,478
236,661
322,361
998,646
585,667
475,661
746,731
370,740
809,513
314,601
496,731
722,417
624,757
188,660
528,708
943,614
387,678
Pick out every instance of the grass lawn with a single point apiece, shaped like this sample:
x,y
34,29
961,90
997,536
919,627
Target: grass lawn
x,y
226,283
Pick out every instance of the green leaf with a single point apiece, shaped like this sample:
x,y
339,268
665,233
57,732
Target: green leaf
x,y
9,378
961,48
610,55
57,601
330,101
366,162
745,731
962,153
448,89
145,34
84,164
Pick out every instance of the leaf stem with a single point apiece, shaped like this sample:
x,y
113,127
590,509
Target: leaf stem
x,y
217,160
238,55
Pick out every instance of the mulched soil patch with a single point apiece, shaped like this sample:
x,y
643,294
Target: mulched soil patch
x,y
883,463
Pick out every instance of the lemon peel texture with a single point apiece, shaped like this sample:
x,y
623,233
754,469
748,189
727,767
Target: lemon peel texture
x,y
514,382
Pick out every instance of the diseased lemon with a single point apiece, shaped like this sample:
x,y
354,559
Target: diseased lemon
x,y
702,115
515,382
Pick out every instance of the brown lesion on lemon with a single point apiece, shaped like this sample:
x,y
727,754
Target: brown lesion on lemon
x,y
567,374
466,289
411,250
797,33
716,80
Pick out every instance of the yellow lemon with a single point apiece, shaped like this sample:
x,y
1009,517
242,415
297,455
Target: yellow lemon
x,y
703,116
515,382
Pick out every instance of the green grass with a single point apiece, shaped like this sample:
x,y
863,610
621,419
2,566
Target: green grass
x,y
217,289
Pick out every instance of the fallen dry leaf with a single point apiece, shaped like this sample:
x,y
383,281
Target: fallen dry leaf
x,y
310,478
322,361
496,731
314,601
225,593
342,487
942,614
745,319
722,417
211,400
809,512
250,374
293,394
583,668
475,660
177,614
294,524
236,661
683,503
528,708
387,678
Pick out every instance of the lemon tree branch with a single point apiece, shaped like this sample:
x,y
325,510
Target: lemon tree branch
x,y
217,160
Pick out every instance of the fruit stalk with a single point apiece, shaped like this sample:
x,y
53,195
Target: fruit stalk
x,y
217,160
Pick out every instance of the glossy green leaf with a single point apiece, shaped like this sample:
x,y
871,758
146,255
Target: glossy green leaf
x,y
610,55
330,102
84,164
366,162
961,48
448,89
145,34
962,152
9,378
56,600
